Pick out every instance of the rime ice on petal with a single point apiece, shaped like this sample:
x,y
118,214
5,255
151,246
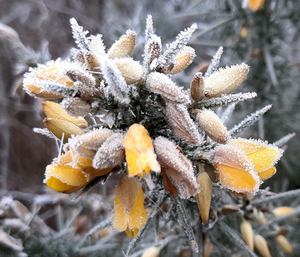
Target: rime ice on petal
x,y
179,168
181,123
161,84
175,47
116,83
111,153
224,81
249,120
79,35
214,62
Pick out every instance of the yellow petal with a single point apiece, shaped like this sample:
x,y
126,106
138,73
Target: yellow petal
x,y
120,217
237,180
57,185
267,173
138,217
42,93
264,159
53,110
128,232
68,175
139,151
256,5
54,74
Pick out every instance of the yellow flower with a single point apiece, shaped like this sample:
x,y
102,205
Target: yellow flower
x,y
139,151
263,156
256,5
71,172
129,211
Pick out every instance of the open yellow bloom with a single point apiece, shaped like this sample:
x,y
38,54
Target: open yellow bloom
x,y
129,211
70,172
263,156
139,151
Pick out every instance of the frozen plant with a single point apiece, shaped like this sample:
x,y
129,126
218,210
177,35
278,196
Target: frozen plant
x,y
163,140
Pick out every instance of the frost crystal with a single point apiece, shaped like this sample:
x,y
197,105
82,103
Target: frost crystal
x,y
214,62
79,35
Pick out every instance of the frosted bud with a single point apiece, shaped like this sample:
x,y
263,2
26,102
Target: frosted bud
x,y
96,44
153,48
123,46
75,106
54,110
86,92
259,216
284,244
111,153
283,210
225,81
178,167
87,144
131,70
181,123
161,84
197,87
152,252
261,246
62,128
183,59
79,74
213,126
91,61
204,196
247,233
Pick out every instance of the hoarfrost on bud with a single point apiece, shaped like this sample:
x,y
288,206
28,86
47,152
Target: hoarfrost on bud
x,y
161,84
96,44
179,168
224,81
197,87
181,123
75,106
131,70
213,126
152,51
111,153
79,74
123,46
183,59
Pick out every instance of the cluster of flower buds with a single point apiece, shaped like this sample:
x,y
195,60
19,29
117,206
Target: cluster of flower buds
x,y
124,98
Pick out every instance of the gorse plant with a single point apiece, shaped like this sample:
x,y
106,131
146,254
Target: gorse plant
x,y
180,167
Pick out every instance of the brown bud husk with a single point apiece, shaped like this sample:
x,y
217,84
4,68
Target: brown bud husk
x,y
79,74
197,87
123,46
284,244
153,48
75,106
204,196
247,232
183,59
261,246
62,128
54,110
181,123
224,81
92,61
86,145
161,84
207,247
213,126
178,167
230,209
131,70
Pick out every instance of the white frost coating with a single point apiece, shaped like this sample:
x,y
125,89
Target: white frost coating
x,y
75,106
224,81
214,62
182,124
227,113
176,46
111,153
96,44
183,59
79,35
131,70
149,28
161,84
152,51
179,168
44,132
116,83
77,73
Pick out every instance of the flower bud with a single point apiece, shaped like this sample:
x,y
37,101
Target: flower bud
x,y
259,216
284,244
161,84
123,46
282,210
230,209
75,106
54,110
204,196
247,233
183,59
213,126
224,81
92,61
153,48
207,247
131,70
255,5
197,87
152,252
61,127
261,246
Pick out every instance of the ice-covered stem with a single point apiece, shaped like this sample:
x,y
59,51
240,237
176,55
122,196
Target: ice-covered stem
x,y
224,100
101,225
249,120
59,89
181,40
79,35
282,141
235,238
149,28
186,224
214,62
